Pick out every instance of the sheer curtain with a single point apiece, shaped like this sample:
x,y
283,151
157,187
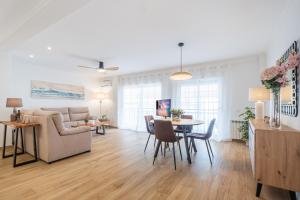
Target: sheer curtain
x,y
208,95
202,99
137,98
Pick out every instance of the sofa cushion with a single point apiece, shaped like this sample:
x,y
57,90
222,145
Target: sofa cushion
x,y
79,113
70,124
64,111
60,126
76,130
58,121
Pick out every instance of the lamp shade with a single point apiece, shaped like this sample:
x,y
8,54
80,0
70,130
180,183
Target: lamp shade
x,y
259,94
102,96
286,94
14,102
179,76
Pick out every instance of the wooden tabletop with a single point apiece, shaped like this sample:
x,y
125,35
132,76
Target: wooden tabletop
x,y
16,124
183,122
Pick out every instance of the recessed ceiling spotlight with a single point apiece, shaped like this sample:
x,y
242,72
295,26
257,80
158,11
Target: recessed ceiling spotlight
x,y
31,55
49,48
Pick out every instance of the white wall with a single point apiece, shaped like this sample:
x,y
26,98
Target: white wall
x,y
286,31
5,85
25,72
16,76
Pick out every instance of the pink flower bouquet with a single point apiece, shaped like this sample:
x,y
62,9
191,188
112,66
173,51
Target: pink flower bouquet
x,y
276,77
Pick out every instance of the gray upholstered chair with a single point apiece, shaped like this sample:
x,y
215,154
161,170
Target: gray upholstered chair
x,y
164,133
204,136
150,129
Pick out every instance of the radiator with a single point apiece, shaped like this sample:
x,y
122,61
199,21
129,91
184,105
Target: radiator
x,y
234,129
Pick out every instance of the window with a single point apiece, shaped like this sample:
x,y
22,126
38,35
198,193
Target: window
x,y
136,102
202,100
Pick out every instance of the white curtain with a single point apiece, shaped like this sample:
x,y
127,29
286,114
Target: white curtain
x,y
137,98
208,95
202,99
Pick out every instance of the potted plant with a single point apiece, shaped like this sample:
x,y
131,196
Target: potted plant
x,y
176,113
244,129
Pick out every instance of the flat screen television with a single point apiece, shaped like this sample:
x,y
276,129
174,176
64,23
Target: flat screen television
x,y
163,107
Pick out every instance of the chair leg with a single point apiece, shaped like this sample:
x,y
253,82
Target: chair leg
x,y
147,142
161,149
154,141
156,151
293,195
210,148
178,142
165,149
208,152
190,144
174,156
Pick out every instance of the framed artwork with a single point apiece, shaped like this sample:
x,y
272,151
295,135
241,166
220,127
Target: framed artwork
x,y
42,89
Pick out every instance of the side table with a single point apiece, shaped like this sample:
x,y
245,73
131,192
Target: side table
x,y
97,125
102,124
18,128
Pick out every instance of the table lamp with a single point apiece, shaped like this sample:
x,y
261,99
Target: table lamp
x,y
258,95
286,94
14,103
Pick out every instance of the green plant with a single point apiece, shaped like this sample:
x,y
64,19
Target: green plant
x,y
176,112
246,115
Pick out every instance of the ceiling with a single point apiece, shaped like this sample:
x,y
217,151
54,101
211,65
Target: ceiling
x,y
139,35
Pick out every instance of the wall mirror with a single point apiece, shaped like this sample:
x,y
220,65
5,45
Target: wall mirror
x,y
289,94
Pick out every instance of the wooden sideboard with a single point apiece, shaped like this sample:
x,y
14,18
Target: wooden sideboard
x,y
275,156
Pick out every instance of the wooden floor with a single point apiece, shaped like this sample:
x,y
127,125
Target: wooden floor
x,y
117,168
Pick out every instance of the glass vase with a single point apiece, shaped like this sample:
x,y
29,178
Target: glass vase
x,y
275,113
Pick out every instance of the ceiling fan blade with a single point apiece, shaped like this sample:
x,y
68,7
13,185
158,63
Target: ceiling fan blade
x,y
86,67
112,68
83,58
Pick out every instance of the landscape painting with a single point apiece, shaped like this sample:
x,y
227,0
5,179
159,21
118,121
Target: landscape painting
x,y
42,89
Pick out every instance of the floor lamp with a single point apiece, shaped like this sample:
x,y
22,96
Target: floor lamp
x,y
101,97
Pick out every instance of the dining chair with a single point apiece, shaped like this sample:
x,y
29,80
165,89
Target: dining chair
x,y
150,129
188,129
164,133
204,136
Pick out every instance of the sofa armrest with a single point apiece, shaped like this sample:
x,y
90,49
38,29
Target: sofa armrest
x,y
76,130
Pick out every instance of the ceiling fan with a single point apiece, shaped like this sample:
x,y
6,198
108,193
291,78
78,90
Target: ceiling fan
x,y
101,68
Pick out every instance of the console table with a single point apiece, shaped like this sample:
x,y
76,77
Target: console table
x,y
275,156
18,128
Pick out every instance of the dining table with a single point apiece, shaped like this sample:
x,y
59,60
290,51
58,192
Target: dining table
x,y
185,123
